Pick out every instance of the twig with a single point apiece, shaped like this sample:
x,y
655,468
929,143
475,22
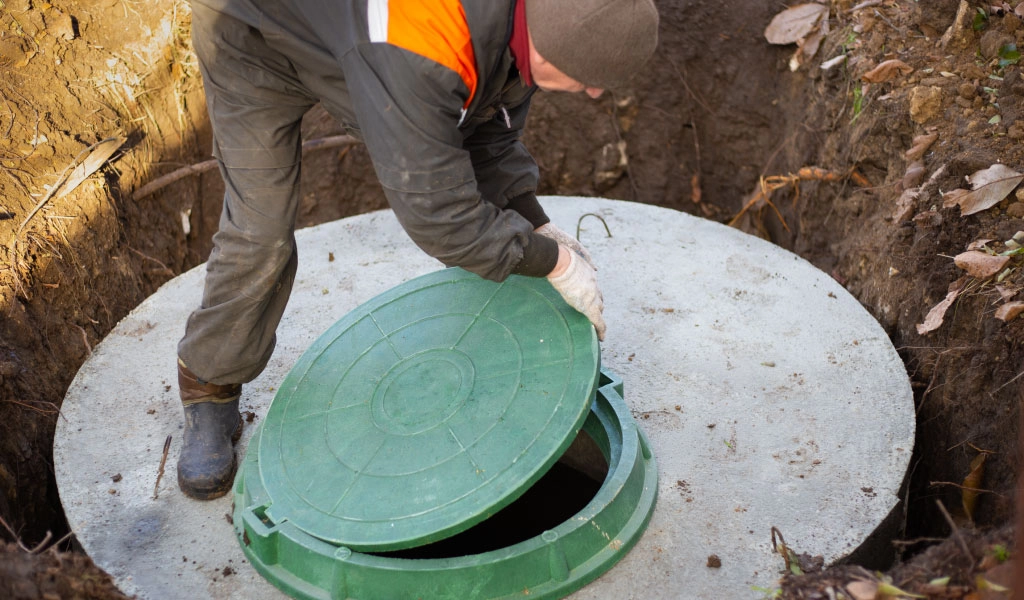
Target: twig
x,y
85,338
40,545
53,411
1015,378
917,541
147,257
160,471
618,136
62,539
686,85
964,487
866,4
956,531
13,535
165,180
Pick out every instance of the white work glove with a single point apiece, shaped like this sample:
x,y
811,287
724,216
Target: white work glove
x,y
551,231
578,286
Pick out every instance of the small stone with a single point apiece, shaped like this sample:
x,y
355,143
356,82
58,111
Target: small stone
x,y
967,91
714,562
1019,194
992,40
1011,23
1015,210
116,478
1016,131
925,103
862,590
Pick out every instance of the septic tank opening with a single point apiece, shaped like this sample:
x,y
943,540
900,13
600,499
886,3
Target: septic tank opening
x,y
568,486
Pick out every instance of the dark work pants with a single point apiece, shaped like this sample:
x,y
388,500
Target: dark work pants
x,y
257,86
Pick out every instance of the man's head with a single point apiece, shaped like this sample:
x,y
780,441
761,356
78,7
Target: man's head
x,y
595,44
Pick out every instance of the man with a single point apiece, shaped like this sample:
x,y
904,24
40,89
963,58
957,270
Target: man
x,y
438,91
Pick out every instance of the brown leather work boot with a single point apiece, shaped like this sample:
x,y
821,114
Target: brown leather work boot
x,y
206,465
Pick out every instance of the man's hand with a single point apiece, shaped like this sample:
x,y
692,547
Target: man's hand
x,y
550,230
576,281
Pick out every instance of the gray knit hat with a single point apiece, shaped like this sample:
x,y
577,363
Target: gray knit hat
x,y
600,43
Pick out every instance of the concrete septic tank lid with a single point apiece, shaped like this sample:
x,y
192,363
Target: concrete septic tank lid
x,y
549,565
426,410
770,397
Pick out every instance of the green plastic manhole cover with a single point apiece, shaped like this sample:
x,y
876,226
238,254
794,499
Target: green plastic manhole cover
x,y
551,564
426,410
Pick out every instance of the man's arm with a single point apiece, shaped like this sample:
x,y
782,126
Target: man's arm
x,y
408,108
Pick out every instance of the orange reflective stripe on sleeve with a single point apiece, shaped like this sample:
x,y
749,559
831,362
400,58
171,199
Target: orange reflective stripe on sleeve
x,y
436,30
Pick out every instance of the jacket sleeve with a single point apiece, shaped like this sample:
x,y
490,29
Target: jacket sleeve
x,y
506,173
408,109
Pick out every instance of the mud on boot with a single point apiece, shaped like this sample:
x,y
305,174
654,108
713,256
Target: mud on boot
x,y
206,465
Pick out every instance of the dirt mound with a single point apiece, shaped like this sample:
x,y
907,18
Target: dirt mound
x,y
719,125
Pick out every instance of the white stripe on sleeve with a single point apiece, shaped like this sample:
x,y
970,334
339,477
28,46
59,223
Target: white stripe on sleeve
x,y
377,17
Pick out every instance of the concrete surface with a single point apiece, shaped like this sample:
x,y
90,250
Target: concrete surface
x,y
771,398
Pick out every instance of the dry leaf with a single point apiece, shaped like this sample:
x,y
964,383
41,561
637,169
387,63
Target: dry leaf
x,y
914,175
978,244
934,318
971,485
1009,311
806,49
905,205
1006,292
862,590
980,265
886,71
96,159
921,145
953,197
1019,11
794,24
989,187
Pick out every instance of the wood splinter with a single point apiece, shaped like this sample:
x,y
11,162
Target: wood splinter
x,y
160,471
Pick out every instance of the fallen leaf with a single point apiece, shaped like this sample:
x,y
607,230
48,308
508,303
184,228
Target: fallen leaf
x,y
985,585
1019,11
971,485
921,145
988,188
1006,292
1009,311
914,175
933,320
862,590
953,197
980,265
887,70
828,64
794,24
888,590
806,49
978,244
96,159
905,205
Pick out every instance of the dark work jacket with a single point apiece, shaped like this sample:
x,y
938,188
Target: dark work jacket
x,y
449,157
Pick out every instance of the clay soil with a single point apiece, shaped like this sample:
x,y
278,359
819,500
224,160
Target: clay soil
x,y
717,110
